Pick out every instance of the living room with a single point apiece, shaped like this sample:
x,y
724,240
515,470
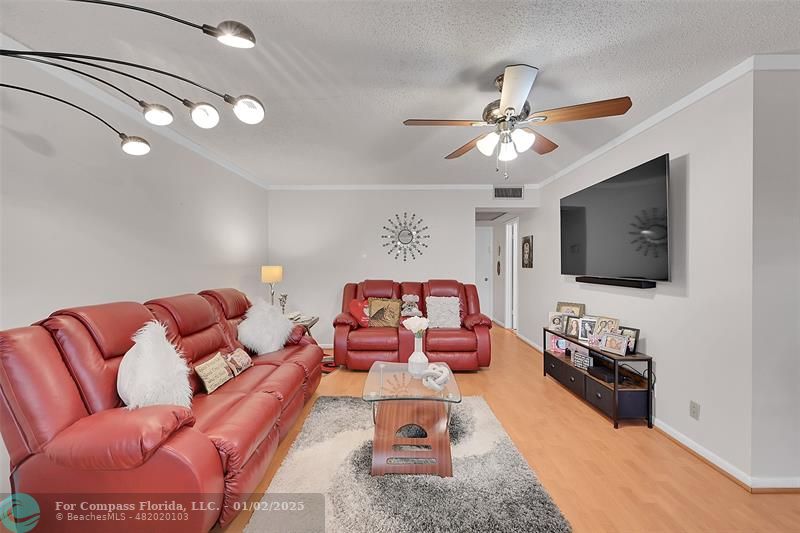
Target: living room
x,y
280,240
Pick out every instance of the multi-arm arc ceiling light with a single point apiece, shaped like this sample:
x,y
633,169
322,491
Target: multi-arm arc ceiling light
x,y
131,144
229,32
246,108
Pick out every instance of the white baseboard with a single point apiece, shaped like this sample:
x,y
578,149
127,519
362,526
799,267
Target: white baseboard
x,y
704,452
529,342
775,483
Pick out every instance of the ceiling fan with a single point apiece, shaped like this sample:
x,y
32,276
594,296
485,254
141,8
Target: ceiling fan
x,y
511,114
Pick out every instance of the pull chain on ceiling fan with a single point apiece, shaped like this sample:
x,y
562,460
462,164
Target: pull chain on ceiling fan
x,y
511,114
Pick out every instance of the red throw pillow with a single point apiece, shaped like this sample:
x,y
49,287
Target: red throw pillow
x,y
360,311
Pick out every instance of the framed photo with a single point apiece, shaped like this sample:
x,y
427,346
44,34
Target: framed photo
x,y
633,337
611,342
557,344
569,308
606,325
587,325
557,322
527,252
573,326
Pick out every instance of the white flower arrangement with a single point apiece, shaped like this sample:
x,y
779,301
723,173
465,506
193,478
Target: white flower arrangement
x,y
416,324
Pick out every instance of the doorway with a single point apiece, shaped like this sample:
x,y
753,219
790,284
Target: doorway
x,y
512,274
484,243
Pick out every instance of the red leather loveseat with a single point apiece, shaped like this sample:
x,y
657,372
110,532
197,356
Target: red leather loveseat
x,y
67,431
466,348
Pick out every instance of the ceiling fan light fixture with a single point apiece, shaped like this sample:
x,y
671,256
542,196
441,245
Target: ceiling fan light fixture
x,y
235,34
203,114
487,145
248,109
133,145
156,114
507,152
523,140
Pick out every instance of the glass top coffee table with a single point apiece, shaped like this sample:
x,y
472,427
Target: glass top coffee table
x,y
411,421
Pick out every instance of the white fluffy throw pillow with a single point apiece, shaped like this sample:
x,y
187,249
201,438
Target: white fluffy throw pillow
x,y
153,372
264,328
443,311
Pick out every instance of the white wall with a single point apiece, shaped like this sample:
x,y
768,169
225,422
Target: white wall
x,y
776,277
83,223
698,327
326,238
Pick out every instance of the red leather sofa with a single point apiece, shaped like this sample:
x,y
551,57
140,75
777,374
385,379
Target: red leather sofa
x,y
67,431
466,348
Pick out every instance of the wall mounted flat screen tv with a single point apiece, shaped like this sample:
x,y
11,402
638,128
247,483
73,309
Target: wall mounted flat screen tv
x,y
619,228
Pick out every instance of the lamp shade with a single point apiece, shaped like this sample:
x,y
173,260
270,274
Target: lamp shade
x,y
271,274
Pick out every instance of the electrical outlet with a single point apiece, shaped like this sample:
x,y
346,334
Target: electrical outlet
x,y
694,410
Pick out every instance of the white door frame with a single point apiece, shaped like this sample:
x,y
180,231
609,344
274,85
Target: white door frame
x,y
487,307
512,273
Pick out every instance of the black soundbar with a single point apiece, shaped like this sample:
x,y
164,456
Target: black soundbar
x,y
632,283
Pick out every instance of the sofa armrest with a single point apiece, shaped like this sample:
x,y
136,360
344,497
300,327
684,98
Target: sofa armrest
x,y
297,334
117,439
345,319
477,319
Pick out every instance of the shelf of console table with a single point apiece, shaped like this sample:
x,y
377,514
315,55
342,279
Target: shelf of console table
x,y
632,399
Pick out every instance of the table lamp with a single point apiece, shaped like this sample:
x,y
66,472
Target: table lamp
x,y
271,274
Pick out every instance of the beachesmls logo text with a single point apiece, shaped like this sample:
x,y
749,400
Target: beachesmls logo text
x,y
19,512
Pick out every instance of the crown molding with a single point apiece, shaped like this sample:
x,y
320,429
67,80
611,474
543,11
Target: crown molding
x,y
752,63
77,82
398,187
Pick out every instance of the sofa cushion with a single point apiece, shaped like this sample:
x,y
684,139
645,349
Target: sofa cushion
x,y
236,424
451,340
283,382
307,356
93,340
373,339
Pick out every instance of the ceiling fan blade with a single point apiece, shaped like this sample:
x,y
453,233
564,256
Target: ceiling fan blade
x,y
458,152
542,145
436,122
602,108
517,84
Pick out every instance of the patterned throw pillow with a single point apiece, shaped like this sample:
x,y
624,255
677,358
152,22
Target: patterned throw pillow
x,y
443,311
384,312
215,372
238,360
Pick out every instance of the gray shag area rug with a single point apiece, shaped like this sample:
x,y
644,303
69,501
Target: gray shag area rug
x,y
492,488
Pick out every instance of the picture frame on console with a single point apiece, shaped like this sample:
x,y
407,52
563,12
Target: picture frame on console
x,y
616,344
569,308
633,337
606,325
573,326
587,325
557,321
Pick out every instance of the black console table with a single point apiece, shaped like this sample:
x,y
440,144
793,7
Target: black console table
x,y
631,399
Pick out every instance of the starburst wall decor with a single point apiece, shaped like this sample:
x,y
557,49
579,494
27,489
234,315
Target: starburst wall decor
x,y
405,237
650,234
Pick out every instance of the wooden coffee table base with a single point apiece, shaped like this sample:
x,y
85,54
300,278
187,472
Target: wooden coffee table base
x,y
392,454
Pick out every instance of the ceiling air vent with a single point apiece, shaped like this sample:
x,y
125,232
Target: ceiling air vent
x,y
508,192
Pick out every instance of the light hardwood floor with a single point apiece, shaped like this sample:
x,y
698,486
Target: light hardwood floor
x,y
632,479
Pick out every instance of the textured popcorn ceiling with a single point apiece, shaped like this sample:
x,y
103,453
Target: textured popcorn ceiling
x,y
338,78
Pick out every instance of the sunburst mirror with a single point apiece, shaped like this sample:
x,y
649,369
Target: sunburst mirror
x,y
405,237
650,232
